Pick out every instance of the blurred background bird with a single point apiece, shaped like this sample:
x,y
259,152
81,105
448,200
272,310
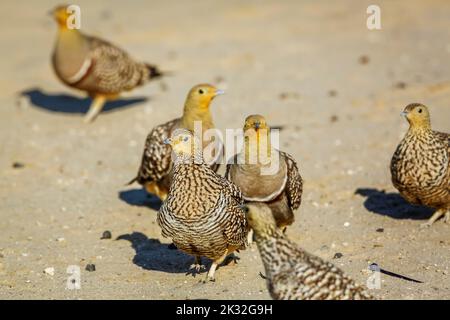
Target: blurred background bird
x,y
155,170
202,213
291,272
265,174
420,166
95,66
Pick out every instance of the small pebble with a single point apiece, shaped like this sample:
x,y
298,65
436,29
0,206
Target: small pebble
x,y
400,85
332,93
338,255
60,239
90,267
380,230
288,95
347,224
18,165
364,59
106,235
334,118
50,271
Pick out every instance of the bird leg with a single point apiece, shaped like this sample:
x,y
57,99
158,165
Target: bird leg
x,y
447,216
439,213
250,237
212,270
95,108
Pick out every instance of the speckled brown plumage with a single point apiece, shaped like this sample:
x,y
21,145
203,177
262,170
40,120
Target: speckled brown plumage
x,y
156,165
281,190
420,165
202,213
291,272
95,66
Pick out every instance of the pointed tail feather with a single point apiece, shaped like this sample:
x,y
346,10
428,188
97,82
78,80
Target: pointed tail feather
x,y
155,72
132,181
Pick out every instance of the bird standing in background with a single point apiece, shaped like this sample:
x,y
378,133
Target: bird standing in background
x,y
202,213
95,66
291,272
155,170
265,174
420,167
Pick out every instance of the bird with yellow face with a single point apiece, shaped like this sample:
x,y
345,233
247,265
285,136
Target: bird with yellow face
x,y
95,66
420,166
156,165
265,174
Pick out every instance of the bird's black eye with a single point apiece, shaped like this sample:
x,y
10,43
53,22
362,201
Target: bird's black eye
x,y
420,110
200,91
245,209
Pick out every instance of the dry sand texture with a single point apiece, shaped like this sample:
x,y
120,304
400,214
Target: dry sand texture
x,y
311,66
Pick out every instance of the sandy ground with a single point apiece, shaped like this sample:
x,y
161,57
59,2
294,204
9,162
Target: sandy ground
x,y
311,66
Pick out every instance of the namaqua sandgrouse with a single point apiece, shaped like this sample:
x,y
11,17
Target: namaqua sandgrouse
x,y
202,213
265,174
156,165
95,66
420,167
291,272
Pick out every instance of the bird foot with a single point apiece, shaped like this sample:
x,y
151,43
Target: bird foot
x,y
195,269
426,225
447,217
439,213
209,279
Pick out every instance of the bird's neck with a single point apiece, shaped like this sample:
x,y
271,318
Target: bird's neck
x,y
69,40
422,129
66,33
193,113
258,150
189,159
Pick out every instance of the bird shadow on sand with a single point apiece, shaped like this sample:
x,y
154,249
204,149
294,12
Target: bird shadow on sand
x,y
392,205
64,103
151,254
140,198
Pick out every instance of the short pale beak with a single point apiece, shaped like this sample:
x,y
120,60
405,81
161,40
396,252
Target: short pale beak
x,y
219,92
403,113
167,141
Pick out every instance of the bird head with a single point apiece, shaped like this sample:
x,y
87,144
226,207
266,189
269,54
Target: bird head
x,y
183,143
260,219
417,115
60,14
255,122
201,95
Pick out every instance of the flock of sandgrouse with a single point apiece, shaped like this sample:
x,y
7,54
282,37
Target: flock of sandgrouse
x,y
207,215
